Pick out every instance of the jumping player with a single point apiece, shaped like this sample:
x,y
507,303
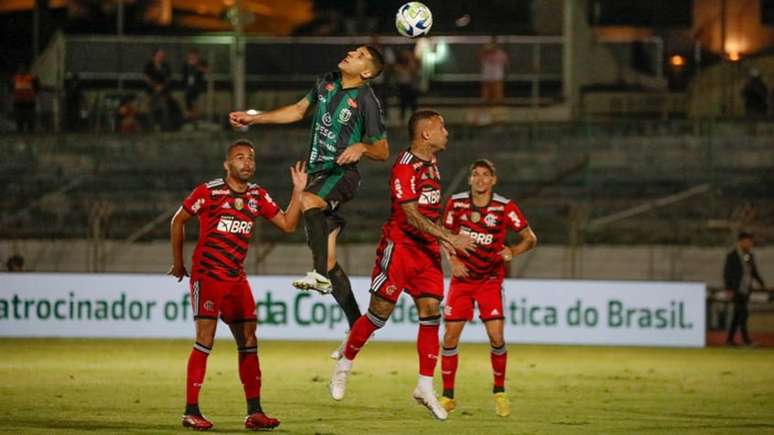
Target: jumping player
x,y
485,217
408,257
347,124
227,209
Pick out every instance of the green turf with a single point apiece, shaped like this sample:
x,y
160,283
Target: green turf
x,y
80,386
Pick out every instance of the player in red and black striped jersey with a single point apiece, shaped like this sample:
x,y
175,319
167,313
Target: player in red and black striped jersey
x,y
227,209
477,277
409,258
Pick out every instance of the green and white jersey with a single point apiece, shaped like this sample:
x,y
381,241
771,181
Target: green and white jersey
x,y
341,118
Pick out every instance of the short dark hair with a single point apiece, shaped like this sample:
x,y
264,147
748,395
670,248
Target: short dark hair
x,y
239,143
483,163
377,60
744,235
416,118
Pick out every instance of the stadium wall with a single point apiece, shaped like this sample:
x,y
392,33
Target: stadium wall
x,y
644,262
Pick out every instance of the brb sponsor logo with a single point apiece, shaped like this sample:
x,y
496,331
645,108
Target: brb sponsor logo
x,y
228,224
479,238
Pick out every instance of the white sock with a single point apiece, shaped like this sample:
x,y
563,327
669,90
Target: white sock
x,y
425,383
344,364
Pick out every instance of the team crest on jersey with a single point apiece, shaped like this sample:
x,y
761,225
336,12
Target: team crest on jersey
x,y
490,220
345,115
209,305
327,120
390,290
475,217
252,204
239,203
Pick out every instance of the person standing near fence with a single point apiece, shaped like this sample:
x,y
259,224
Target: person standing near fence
x,y
739,273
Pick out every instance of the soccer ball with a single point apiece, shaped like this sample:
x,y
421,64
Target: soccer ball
x,y
413,19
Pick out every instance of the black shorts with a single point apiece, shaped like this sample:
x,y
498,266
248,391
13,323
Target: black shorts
x,y
336,187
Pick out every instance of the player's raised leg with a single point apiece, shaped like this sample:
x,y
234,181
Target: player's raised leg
x,y
316,226
379,310
449,361
250,375
499,358
195,371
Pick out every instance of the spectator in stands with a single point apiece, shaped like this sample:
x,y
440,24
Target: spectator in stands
x,y
494,61
75,110
406,71
15,263
755,96
195,81
738,274
24,89
127,115
157,75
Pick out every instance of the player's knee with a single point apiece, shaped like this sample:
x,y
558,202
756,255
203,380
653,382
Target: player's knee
x,y
450,339
310,200
496,340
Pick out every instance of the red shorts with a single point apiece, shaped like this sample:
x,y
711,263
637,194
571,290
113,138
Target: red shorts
x,y
406,267
232,301
488,294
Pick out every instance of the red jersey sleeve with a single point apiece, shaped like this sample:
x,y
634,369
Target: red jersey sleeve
x,y
196,200
268,207
404,184
449,218
514,217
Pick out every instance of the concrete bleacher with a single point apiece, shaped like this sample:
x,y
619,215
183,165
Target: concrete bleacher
x,y
51,183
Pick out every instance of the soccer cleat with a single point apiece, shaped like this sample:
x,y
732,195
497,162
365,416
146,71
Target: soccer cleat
x,y
338,384
196,422
259,420
314,281
429,401
448,404
502,405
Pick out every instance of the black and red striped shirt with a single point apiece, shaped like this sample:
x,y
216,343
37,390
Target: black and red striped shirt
x,y
488,226
226,220
413,179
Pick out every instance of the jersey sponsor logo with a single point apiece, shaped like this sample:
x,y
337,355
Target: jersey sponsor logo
x,y
460,205
325,132
327,120
228,224
449,219
494,312
430,197
214,183
197,205
225,205
496,208
479,238
217,192
345,115
398,188
515,218
490,220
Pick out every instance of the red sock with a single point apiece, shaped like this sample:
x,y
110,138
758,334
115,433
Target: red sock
x,y
361,332
250,371
197,366
427,344
499,357
449,367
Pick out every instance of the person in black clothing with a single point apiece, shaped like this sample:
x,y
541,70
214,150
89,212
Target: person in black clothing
x,y
738,274
755,96
194,79
157,83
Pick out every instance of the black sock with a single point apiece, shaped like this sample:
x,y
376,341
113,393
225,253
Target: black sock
x,y
342,292
192,409
317,237
496,390
254,405
448,392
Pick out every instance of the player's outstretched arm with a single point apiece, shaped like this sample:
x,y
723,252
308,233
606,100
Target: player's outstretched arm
x,y
528,241
177,235
379,150
283,115
287,221
459,242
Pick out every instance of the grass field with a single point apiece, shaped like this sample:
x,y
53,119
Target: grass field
x,y
78,386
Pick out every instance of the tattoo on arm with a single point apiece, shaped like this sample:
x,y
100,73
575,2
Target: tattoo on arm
x,y
423,224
